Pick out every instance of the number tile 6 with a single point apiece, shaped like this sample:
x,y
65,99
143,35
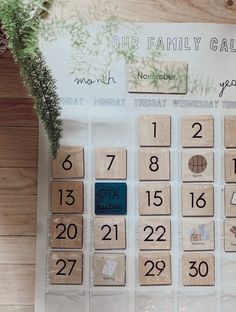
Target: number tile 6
x,y
69,163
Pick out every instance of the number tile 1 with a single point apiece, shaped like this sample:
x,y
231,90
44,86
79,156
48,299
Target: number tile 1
x,y
69,163
67,197
154,130
198,269
109,269
66,231
110,163
154,268
66,268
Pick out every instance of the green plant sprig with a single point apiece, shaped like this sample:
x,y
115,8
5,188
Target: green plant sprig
x,y
21,22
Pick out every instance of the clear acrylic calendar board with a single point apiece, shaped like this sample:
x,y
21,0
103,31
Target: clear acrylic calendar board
x,y
138,211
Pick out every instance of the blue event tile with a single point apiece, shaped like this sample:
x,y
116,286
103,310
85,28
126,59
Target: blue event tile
x,y
110,198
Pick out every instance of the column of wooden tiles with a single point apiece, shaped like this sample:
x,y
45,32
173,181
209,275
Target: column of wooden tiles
x,y
109,224
66,221
154,226
230,187
197,196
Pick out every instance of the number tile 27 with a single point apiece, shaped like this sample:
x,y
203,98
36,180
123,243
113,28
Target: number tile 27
x,y
66,268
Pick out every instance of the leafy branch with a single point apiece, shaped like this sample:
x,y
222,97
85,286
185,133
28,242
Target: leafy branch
x,y
21,22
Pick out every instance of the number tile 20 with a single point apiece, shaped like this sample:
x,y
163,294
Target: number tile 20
x,y
69,163
66,231
198,269
66,268
154,268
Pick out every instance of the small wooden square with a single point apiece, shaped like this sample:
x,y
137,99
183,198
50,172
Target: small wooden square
x,y
197,200
197,131
154,233
197,165
110,163
198,234
109,269
66,268
69,163
230,200
66,231
230,166
109,233
67,197
198,269
154,268
154,198
154,164
154,130
230,130
230,234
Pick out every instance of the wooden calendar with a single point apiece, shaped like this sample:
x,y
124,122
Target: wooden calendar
x,y
138,211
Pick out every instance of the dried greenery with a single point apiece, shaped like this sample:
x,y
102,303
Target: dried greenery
x,y
20,20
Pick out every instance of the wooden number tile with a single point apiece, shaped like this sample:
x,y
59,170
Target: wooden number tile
x,y
197,165
66,268
109,233
230,166
197,131
66,231
110,163
154,268
69,163
230,200
230,234
198,269
110,198
154,164
198,234
67,197
230,130
154,130
154,198
197,200
154,233
109,269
